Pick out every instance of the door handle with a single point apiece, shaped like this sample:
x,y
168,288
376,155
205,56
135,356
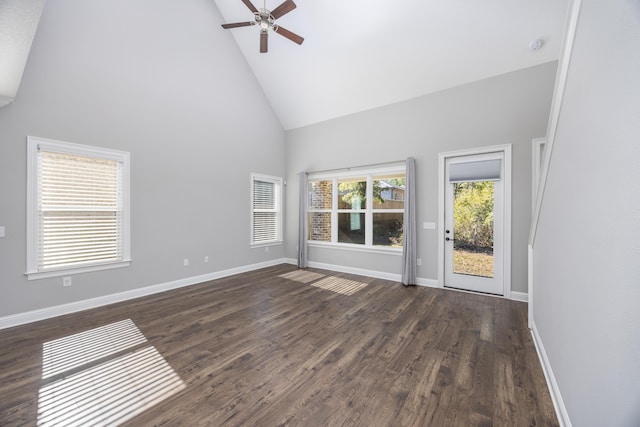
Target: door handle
x,y
448,239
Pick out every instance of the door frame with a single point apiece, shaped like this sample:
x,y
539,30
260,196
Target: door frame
x,y
442,157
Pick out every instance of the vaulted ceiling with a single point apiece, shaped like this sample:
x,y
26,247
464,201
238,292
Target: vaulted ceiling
x,y
359,54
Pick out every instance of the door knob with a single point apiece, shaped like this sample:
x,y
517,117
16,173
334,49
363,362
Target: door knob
x,y
447,239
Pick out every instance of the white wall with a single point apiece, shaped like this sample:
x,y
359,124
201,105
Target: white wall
x,y
509,109
587,247
162,80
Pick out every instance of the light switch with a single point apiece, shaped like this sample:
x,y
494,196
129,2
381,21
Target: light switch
x,y
429,225
1,230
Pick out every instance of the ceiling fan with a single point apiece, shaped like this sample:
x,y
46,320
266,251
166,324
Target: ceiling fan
x,y
266,18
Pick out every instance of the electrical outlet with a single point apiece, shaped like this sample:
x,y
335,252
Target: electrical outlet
x,y
266,249
1,230
66,281
186,262
206,258
419,261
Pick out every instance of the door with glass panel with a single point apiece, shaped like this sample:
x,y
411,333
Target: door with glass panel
x,y
474,217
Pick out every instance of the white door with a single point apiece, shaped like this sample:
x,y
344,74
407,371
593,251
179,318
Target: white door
x,y
474,223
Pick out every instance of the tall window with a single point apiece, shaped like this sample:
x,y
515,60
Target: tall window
x,y
363,208
78,213
266,204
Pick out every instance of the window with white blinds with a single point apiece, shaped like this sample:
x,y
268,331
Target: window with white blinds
x,y
266,204
79,208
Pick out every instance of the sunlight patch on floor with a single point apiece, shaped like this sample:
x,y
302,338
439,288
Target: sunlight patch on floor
x,y
341,286
106,392
302,276
75,350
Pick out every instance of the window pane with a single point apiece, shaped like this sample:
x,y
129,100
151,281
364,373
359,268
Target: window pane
x,y
388,192
320,194
265,227
351,228
266,209
77,238
352,194
320,226
264,195
80,217
473,228
387,229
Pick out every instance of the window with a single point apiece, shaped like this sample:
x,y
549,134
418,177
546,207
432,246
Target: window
x,y
362,208
266,204
77,208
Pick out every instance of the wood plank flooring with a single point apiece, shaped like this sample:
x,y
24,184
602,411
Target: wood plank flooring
x,y
264,350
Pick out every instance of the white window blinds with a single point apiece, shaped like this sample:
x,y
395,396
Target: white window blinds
x,y
483,170
80,210
78,215
266,210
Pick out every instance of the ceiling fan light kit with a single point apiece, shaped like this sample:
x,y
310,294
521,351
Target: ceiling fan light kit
x,y
266,19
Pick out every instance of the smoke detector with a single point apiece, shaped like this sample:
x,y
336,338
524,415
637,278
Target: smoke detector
x,y
536,44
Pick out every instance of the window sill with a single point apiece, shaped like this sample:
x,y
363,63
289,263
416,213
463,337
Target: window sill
x,y
265,244
356,248
34,275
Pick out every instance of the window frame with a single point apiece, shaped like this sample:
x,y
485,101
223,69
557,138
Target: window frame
x,y
368,174
33,182
279,194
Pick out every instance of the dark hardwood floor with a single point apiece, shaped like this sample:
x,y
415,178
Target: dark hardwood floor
x,y
260,349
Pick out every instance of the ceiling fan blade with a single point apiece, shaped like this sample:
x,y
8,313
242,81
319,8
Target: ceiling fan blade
x,y
283,9
288,34
238,24
264,41
250,5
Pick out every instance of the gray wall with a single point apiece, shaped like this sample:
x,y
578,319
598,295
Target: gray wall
x,y
509,109
161,80
587,251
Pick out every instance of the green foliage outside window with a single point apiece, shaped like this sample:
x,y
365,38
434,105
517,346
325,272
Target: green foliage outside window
x,y
473,215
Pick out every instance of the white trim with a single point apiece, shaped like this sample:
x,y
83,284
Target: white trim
x,y
519,296
279,194
355,248
359,271
556,107
59,310
442,157
429,283
51,145
552,384
360,173
420,281
76,270
530,284
537,145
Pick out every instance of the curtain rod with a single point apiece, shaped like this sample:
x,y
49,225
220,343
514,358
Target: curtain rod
x,y
348,169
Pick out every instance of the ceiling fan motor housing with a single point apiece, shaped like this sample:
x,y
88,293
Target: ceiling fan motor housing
x,y
264,19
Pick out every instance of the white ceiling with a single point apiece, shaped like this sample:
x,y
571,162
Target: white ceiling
x,y
359,55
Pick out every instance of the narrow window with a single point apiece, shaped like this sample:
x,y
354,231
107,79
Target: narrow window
x,y
78,212
266,203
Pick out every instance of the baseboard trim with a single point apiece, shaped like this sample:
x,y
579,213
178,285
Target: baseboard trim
x,y
358,271
430,283
59,310
552,384
519,296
